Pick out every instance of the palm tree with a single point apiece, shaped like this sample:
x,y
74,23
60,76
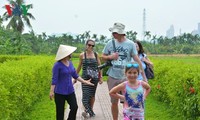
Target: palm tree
x,y
44,36
94,36
131,35
147,34
78,38
65,38
18,18
102,39
87,35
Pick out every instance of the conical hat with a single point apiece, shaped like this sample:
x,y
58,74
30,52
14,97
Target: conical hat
x,y
64,51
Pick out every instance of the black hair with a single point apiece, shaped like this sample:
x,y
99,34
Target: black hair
x,y
89,41
141,50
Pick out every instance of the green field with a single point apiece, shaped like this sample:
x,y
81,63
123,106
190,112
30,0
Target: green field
x,y
176,98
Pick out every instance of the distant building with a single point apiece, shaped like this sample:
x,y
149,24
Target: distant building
x,y
196,32
170,32
180,32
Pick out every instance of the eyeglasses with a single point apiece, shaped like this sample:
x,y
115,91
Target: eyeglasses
x,y
135,65
90,45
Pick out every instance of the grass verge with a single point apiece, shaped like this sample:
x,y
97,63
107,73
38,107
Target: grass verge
x,y
44,110
156,110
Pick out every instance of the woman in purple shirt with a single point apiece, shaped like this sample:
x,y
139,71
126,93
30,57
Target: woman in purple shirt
x,y
62,85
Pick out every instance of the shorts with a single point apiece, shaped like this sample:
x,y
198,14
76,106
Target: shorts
x,y
112,82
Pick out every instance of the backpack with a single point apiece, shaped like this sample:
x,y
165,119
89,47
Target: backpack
x,y
149,70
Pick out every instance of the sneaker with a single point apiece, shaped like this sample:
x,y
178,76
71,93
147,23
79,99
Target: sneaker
x,y
93,115
85,115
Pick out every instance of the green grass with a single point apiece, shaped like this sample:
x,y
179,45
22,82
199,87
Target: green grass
x,y
156,110
44,110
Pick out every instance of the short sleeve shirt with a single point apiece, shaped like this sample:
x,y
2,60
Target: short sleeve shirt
x,y
126,51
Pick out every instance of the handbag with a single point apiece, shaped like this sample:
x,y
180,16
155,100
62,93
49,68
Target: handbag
x,y
91,73
149,71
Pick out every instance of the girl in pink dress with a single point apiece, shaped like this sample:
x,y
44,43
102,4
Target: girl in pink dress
x,y
134,93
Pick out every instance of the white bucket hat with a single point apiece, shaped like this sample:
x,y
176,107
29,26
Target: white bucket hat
x,y
118,28
64,51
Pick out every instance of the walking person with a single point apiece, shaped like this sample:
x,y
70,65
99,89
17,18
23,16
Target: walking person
x,y
134,93
89,61
62,85
143,57
119,51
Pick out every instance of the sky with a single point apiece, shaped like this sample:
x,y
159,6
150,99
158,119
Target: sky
x,y
97,16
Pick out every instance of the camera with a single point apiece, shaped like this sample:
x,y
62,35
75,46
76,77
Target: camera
x,y
107,63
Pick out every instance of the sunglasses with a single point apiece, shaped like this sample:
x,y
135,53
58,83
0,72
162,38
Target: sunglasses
x,y
135,65
90,45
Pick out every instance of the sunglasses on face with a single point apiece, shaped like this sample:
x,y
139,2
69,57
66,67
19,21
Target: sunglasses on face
x,y
135,65
90,45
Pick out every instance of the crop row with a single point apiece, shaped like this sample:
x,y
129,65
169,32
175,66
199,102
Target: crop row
x,y
177,83
23,82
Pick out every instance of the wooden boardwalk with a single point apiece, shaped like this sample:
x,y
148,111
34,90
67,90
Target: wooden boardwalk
x,y
102,106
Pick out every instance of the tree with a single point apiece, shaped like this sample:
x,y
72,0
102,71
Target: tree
x,y
65,38
94,36
44,36
147,34
131,35
102,39
78,38
1,20
87,35
17,19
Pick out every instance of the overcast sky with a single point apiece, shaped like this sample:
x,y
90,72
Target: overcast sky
x,y
78,16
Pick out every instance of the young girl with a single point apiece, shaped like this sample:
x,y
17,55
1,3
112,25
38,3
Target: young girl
x,y
134,93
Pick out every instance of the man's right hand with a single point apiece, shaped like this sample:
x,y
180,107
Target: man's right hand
x,y
114,56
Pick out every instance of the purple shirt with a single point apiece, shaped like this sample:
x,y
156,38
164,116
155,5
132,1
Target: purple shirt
x,y
62,78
